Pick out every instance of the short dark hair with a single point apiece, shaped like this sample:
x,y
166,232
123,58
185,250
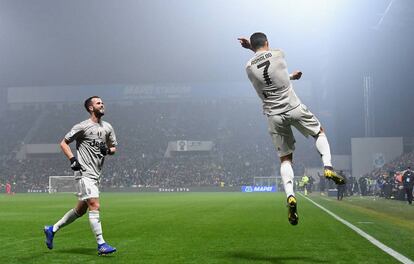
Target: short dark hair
x,y
257,40
88,102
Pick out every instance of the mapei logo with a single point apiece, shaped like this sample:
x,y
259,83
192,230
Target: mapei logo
x,y
248,189
258,189
263,189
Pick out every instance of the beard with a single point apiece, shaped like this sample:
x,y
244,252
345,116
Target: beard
x,y
99,112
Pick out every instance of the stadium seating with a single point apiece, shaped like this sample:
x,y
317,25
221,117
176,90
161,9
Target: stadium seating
x,y
243,148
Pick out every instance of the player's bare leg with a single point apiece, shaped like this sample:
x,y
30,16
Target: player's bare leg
x,y
81,207
95,222
322,145
286,171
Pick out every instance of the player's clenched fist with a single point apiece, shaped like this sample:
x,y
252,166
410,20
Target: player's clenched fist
x,y
104,150
295,75
74,164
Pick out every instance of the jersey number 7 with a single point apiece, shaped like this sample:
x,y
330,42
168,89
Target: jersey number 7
x,y
266,77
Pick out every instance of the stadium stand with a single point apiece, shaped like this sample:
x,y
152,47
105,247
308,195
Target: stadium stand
x,y
242,148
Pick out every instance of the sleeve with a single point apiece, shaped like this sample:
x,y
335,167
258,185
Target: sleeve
x,y
249,71
247,67
74,133
275,50
111,137
278,52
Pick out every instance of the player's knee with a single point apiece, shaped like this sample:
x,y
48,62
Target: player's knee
x,y
320,133
288,157
94,206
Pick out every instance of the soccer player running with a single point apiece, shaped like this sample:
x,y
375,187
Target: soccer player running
x,y
268,73
95,139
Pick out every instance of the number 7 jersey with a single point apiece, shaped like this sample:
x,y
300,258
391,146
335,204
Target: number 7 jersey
x,y
268,73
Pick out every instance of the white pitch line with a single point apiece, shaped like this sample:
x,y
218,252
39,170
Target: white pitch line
x,y
401,258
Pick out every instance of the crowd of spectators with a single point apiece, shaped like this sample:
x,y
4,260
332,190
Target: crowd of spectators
x,y
32,173
14,127
386,181
242,147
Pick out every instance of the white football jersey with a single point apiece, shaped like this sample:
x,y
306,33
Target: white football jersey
x,y
268,73
90,136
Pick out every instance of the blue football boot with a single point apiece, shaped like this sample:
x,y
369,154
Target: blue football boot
x,y
105,249
49,236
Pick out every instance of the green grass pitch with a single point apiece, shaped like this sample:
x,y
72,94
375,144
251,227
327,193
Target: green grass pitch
x,y
205,228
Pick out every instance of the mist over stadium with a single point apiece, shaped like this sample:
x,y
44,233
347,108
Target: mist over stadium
x,y
188,121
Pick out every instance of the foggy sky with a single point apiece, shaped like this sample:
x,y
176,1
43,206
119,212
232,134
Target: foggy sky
x,y
59,42
334,42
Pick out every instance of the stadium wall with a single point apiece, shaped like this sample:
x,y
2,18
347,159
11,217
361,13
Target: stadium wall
x,y
173,189
78,93
373,152
159,189
342,162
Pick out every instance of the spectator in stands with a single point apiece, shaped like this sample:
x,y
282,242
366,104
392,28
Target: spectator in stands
x,y
388,187
310,184
351,185
363,185
8,188
322,183
341,188
304,182
399,188
408,182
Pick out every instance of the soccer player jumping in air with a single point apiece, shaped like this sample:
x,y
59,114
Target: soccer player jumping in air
x,y
268,73
95,139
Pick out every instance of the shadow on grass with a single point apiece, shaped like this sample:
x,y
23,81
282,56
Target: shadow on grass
x,y
273,259
37,257
79,251
85,251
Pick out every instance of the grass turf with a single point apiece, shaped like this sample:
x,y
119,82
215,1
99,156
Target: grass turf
x,y
202,228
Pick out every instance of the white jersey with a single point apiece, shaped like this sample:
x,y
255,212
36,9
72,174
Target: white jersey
x,y
89,137
268,73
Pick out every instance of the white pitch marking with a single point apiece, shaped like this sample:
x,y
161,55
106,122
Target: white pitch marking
x,y
401,258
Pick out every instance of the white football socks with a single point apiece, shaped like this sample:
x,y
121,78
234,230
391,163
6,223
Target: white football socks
x,y
96,226
323,148
68,218
286,172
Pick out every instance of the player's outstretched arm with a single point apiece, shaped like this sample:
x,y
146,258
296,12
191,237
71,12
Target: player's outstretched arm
x,y
295,75
245,43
